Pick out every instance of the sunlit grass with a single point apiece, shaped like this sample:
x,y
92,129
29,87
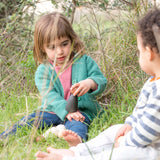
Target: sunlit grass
x,y
24,146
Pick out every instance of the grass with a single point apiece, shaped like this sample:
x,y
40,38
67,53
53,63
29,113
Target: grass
x,y
23,144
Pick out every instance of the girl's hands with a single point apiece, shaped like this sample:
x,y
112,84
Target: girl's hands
x,y
80,89
83,87
121,133
76,116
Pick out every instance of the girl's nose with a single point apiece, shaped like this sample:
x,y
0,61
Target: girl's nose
x,y
59,50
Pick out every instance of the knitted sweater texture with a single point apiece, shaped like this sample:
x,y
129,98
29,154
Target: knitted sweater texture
x,y
52,93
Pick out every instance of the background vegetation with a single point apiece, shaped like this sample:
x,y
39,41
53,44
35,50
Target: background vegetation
x,y
108,29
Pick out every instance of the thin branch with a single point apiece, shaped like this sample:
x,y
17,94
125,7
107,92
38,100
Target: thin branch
x,y
73,11
128,3
99,38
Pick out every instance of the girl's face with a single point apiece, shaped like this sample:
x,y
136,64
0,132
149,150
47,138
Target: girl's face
x,y
59,50
144,56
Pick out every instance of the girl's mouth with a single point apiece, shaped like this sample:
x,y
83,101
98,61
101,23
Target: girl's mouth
x,y
61,58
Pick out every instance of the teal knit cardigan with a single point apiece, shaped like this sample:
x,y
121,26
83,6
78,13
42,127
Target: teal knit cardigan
x,y
52,93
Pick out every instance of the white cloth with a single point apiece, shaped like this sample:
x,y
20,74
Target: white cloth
x,y
140,143
100,148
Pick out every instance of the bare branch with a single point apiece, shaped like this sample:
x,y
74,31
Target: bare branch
x,y
128,3
73,10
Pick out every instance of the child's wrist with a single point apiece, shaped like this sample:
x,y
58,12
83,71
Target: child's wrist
x,y
94,85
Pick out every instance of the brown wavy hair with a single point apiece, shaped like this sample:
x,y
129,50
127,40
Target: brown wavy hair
x,y
145,28
50,27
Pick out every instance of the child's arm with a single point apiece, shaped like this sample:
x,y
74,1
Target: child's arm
x,y
94,73
122,132
147,129
83,87
48,86
88,76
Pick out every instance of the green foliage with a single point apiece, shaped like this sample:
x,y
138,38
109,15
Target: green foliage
x,y
8,7
16,60
69,5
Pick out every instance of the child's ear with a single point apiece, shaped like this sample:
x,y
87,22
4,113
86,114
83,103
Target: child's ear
x,y
150,53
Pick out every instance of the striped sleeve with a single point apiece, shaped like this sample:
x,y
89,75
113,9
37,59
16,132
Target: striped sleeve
x,y
147,128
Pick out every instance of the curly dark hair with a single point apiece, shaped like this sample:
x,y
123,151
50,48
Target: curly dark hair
x,y
145,28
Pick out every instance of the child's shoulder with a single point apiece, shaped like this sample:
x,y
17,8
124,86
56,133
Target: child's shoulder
x,y
156,83
152,85
86,57
44,66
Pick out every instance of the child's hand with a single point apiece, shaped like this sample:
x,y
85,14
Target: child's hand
x,y
75,115
122,131
118,141
83,87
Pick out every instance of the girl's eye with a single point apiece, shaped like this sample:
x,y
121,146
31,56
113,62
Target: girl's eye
x,y
64,44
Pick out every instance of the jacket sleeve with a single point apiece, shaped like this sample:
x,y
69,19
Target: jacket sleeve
x,y
147,129
95,74
52,96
